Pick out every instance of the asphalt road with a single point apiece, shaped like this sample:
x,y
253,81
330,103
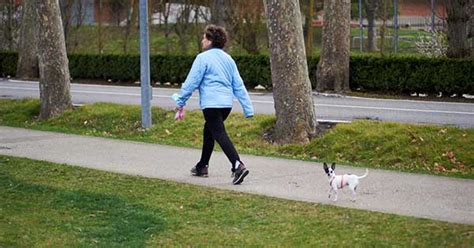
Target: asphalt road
x,y
328,108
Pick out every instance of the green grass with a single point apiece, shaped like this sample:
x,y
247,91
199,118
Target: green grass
x,y
86,40
437,150
51,205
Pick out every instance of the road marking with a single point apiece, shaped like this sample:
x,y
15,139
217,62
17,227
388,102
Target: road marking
x,y
396,109
258,101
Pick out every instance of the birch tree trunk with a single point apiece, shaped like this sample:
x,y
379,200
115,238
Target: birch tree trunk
x,y
53,63
458,20
333,67
27,50
294,108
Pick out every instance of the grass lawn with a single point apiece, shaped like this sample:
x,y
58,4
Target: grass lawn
x,y
86,40
51,205
437,150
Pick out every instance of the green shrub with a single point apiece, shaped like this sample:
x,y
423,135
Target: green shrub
x,y
370,73
255,70
8,61
401,75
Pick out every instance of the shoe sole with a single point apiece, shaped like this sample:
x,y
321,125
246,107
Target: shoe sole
x,y
241,177
200,175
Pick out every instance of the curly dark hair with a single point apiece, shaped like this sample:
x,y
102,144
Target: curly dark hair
x,y
217,35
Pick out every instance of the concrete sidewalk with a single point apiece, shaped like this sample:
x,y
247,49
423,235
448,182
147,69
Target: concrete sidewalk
x,y
433,197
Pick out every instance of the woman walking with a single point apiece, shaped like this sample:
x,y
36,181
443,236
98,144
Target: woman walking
x,y
215,74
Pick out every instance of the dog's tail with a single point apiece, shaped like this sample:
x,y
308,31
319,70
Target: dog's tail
x,y
366,174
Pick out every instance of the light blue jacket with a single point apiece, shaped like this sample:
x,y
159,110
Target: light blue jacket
x,y
215,74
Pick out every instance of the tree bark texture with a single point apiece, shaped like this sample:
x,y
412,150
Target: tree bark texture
x,y
131,22
333,67
309,28
27,51
294,108
220,13
371,8
458,20
53,63
470,35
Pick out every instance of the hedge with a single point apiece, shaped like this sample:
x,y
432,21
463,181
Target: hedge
x,y
395,74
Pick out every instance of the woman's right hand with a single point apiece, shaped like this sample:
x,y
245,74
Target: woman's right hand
x,y
179,116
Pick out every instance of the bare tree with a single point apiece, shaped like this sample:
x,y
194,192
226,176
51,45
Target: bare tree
x,y
458,28
99,27
371,9
250,26
245,24
333,67
182,27
27,66
66,7
78,20
53,63
309,28
221,12
9,24
383,28
117,10
294,108
164,7
471,29
131,22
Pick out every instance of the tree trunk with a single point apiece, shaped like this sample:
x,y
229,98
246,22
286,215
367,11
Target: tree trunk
x,y
131,22
250,29
9,25
66,16
99,28
470,35
294,107
182,26
220,13
383,27
371,8
333,67
53,63
458,19
309,28
27,51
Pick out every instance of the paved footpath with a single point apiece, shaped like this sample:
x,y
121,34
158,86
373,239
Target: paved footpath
x,y
433,197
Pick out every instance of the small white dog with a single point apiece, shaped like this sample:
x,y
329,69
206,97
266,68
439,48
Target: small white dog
x,y
340,181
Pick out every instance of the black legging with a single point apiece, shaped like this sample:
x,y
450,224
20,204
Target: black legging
x,y
214,130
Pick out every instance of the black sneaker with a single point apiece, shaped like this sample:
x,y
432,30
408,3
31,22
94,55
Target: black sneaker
x,y
239,174
199,172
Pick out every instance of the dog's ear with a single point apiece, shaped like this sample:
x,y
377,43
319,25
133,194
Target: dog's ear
x,y
325,166
333,166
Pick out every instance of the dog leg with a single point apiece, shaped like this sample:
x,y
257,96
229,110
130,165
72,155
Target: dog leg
x,y
353,194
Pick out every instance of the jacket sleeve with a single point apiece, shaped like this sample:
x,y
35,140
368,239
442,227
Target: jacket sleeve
x,y
241,93
192,82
